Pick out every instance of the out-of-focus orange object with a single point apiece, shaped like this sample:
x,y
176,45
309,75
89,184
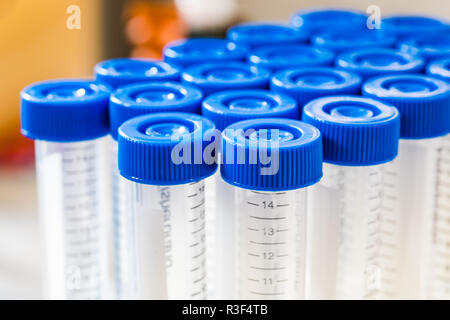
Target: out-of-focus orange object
x,y
150,25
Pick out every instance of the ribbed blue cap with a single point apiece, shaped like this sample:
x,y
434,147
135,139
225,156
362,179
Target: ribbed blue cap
x,y
227,107
423,102
430,47
139,99
167,148
306,84
405,26
374,62
184,53
318,20
276,58
356,131
352,39
124,71
256,34
440,69
214,77
65,110
271,154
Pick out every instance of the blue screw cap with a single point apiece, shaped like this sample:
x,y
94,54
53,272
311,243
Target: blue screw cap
x,y
214,77
340,41
256,34
319,20
440,69
405,26
374,62
430,47
167,148
145,98
356,131
271,154
123,71
187,52
423,102
306,84
276,58
225,108
65,110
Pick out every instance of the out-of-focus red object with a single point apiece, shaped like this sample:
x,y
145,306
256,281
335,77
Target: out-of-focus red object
x,y
150,25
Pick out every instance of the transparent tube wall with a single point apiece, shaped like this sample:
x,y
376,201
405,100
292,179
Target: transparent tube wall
x,y
345,211
72,206
262,236
409,207
169,239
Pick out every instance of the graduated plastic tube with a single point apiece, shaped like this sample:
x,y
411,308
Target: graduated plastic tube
x,y
261,223
360,135
411,207
165,158
68,121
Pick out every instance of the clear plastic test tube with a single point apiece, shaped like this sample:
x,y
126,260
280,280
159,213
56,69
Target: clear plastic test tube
x,y
377,62
215,77
126,103
411,205
165,158
406,26
306,84
258,34
328,19
359,135
187,52
266,169
277,58
68,119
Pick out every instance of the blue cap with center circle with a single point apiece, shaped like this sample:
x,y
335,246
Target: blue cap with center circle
x,y
186,52
169,148
214,77
356,131
430,47
351,39
123,71
276,58
306,84
373,62
255,34
440,69
405,26
65,110
318,20
423,102
227,107
271,154
144,98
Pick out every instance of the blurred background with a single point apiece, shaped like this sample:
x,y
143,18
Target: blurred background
x,y
37,44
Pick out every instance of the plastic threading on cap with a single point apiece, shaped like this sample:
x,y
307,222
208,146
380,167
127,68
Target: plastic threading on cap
x,y
423,102
124,71
276,58
183,53
145,98
374,62
306,84
356,131
405,26
167,148
258,34
430,47
271,154
65,110
440,69
340,41
318,20
225,108
214,77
